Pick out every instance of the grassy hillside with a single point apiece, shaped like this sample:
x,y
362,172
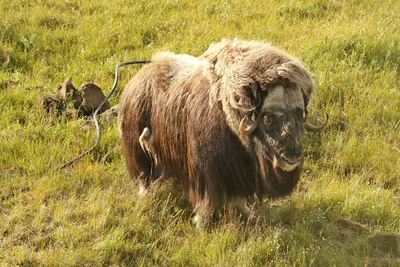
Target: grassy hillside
x,y
89,214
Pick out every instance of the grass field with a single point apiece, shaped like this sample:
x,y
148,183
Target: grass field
x,y
90,215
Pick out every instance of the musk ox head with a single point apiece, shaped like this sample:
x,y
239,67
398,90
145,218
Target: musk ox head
x,y
264,93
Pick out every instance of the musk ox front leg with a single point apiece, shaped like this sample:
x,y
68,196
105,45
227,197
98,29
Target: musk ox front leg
x,y
241,205
204,210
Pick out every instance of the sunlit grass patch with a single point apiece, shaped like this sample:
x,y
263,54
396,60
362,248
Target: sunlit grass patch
x,y
90,213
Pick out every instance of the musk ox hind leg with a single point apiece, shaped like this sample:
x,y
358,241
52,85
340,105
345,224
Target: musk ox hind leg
x,y
155,174
138,154
145,144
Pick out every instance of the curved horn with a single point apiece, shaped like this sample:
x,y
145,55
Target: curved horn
x,y
317,129
247,130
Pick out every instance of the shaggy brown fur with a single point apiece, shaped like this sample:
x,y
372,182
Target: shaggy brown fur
x,y
193,107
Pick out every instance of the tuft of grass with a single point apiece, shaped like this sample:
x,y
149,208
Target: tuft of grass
x,y
90,213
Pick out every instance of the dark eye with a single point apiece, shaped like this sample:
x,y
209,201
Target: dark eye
x,y
267,120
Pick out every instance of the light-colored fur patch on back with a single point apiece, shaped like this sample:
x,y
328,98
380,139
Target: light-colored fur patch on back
x,y
182,66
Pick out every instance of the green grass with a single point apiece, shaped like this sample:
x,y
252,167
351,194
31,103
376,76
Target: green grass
x,y
89,214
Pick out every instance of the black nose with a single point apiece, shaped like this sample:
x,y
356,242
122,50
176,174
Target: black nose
x,y
292,155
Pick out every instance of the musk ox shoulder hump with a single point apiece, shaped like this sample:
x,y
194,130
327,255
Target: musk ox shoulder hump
x,y
182,66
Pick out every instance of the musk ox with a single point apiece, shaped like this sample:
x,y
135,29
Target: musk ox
x,y
227,126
